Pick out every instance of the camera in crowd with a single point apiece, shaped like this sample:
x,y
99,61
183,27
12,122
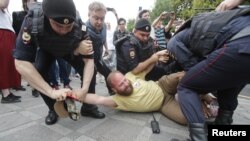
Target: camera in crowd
x,y
110,9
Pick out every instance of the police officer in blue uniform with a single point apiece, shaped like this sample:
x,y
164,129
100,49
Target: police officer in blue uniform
x,y
54,29
212,53
136,49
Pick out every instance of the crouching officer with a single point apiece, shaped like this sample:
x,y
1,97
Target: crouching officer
x,y
54,29
211,48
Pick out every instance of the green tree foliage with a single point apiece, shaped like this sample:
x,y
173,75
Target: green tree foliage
x,y
130,24
184,9
160,6
199,6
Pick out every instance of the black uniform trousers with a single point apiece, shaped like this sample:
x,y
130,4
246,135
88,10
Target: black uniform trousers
x,y
226,70
43,63
103,69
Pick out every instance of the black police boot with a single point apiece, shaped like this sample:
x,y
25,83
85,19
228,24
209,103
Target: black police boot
x,y
197,132
51,118
224,117
91,111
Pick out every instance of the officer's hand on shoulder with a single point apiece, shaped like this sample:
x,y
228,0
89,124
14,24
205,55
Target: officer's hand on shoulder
x,y
158,55
85,48
162,53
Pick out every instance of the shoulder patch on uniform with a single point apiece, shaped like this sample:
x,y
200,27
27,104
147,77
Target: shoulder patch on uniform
x,y
132,53
26,37
84,28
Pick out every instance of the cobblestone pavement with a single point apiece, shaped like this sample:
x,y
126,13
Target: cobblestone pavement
x,y
24,121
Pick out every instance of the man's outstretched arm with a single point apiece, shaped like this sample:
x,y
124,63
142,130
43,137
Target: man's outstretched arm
x,y
100,100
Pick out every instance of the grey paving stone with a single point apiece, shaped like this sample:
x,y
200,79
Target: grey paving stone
x,y
33,133
12,120
65,139
30,115
84,138
115,130
24,121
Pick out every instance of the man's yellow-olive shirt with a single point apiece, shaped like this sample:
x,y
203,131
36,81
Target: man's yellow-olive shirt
x,y
147,96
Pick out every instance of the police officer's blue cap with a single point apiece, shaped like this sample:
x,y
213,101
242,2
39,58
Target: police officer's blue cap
x,y
143,25
62,11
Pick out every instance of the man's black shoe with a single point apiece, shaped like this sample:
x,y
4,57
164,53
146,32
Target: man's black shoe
x,y
14,96
92,113
51,118
10,99
20,88
35,93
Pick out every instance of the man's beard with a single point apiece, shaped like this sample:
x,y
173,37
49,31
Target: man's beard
x,y
127,92
144,43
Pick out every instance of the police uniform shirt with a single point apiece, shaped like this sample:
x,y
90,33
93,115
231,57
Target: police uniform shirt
x,y
130,56
25,43
179,47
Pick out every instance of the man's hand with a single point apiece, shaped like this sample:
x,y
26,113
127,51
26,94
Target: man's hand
x,y
106,53
228,5
162,56
80,94
172,16
163,15
85,48
209,109
180,74
60,94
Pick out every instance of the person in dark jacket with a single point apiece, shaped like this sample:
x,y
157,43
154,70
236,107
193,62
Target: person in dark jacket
x,y
133,53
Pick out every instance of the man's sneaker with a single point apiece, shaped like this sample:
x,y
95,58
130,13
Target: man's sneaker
x,y
68,86
35,93
20,88
10,99
14,96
